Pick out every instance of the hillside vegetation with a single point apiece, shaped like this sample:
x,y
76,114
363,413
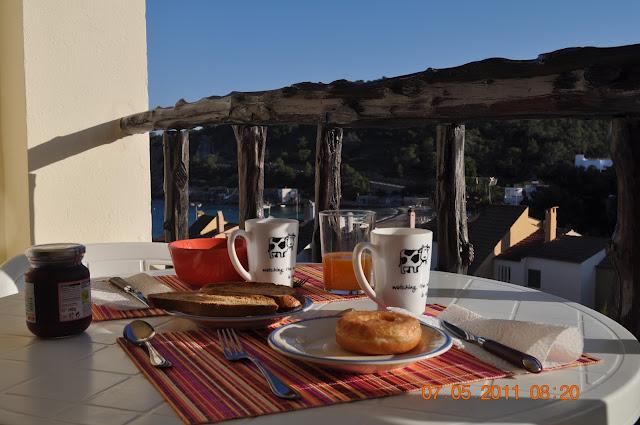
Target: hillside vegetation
x,y
512,151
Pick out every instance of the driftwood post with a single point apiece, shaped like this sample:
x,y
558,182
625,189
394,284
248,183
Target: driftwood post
x,y
251,141
327,188
625,246
455,253
176,184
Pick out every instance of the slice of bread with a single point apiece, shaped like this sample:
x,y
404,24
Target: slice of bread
x,y
203,304
282,295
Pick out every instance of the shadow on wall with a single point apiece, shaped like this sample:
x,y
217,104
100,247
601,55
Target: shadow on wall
x,y
63,147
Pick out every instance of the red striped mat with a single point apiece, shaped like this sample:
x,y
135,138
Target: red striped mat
x,y
204,387
312,289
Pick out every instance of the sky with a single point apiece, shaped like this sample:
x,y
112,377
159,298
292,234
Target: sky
x,y
199,48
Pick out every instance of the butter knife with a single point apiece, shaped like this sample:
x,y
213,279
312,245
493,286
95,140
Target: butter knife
x,y
125,286
513,356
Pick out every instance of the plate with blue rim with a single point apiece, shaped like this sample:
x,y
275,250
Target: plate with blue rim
x,y
314,341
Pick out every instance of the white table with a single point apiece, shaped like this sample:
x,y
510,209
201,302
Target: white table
x,y
88,379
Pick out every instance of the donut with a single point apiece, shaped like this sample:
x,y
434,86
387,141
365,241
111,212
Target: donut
x,y
377,332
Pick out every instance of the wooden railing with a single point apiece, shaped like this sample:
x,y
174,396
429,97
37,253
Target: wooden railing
x,y
575,82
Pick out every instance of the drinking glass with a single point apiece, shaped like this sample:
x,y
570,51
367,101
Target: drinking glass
x,y
340,232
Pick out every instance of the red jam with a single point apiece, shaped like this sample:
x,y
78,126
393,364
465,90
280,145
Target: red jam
x,y
57,291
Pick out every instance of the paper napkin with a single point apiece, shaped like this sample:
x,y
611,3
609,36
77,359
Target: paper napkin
x,y
553,345
104,293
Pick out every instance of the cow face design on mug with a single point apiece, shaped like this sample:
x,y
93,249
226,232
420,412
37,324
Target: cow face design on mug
x,y
278,247
412,259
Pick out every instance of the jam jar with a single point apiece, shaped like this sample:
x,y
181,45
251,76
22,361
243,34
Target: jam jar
x,y
57,290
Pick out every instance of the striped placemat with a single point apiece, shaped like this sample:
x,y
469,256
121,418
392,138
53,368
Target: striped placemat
x,y
312,289
203,387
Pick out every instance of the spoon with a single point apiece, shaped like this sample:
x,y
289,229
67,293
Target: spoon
x,y
140,333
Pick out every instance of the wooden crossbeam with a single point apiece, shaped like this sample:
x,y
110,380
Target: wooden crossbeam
x,y
574,82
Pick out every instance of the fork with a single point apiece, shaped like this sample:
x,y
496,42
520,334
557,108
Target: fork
x,y
300,282
233,350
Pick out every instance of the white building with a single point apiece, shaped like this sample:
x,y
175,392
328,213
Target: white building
x,y
564,266
513,195
599,163
286,195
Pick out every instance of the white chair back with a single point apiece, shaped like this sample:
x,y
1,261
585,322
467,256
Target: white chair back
x,y
7,285
111,259
103,259
12,275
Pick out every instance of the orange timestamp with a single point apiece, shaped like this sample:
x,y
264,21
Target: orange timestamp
x,y
502,392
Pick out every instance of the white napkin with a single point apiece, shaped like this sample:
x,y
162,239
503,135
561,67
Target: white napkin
x,y
553,345
104,293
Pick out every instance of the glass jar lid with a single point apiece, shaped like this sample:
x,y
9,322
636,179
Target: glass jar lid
x,y
55,253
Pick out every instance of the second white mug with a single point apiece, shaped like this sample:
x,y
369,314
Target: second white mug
x,y
271,247
401,264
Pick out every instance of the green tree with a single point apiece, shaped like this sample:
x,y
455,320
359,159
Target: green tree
x,y
353,183
212,161
586,198
303,150
308,169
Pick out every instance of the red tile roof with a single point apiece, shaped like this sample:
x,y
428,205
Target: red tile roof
x,y
571,249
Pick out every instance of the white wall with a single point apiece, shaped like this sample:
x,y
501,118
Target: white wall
x,y
85,66
575,282
15,234
598,163
557,277
588,272
517,271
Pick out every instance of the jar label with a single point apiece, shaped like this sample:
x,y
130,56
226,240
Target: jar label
x,y
74,300
29,302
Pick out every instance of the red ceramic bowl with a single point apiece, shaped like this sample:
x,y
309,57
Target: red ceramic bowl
x,y
202,261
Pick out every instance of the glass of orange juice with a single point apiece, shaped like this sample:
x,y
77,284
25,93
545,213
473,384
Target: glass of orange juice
x,y
340,232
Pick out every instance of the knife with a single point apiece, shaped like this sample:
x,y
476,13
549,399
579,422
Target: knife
x,y
513,356
126,287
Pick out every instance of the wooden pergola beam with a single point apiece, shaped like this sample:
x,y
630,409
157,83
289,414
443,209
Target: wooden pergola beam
x,y
574,82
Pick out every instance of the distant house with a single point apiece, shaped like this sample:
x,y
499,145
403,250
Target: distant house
x,y
598,163
496,229
287,195
493,231
513,195
208,226
564,266
284,195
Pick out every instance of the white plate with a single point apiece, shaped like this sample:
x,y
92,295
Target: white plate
x,y
314,341
246,322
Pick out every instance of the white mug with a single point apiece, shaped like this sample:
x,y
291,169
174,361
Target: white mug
x,y
401,262
271,248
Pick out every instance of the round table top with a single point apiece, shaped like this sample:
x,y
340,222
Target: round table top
x,y
88,379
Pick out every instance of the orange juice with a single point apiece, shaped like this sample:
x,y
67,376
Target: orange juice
x,y
338,274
